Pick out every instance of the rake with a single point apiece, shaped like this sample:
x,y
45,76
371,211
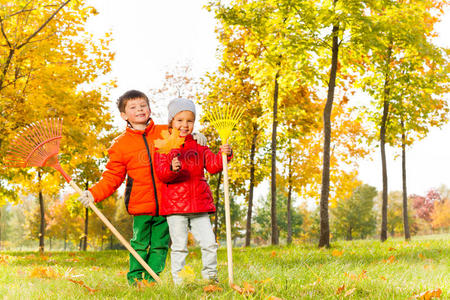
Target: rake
x,y
37,145
223,119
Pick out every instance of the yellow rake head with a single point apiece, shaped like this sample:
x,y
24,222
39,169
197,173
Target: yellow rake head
x,y
224,118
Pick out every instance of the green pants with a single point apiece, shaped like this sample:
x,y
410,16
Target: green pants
x,y
151,241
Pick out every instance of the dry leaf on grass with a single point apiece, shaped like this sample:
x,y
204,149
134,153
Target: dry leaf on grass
x,y
81,283
337,252
3,259
382,277
263,281
237,288
169,141
390,260
392,249
349,292
212,288
274,298
340,289
44,272
246,290
95,268
273,254
429,295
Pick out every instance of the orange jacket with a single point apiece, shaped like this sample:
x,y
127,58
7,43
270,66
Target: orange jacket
x,y
128,156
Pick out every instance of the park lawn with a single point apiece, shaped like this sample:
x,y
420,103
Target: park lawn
x,y
349,269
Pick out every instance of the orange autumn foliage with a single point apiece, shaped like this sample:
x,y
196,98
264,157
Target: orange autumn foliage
x,y
81,283
212,288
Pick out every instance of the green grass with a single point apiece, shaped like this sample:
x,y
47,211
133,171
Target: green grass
x,y
295,272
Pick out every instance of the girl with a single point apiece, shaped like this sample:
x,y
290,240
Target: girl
x,y
186,197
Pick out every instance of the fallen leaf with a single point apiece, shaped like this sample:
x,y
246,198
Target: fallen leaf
x,y
3,260
340,289
79,282
169,141
187,274
273,254
43,272
392,249
337,252
122,272
274,298
212,288
263,281
429,295
390,260
349,292
362,275
421,256
382,277
248,288
95,268
237,288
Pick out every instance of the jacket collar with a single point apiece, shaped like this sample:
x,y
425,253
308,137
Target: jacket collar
x,y
149,127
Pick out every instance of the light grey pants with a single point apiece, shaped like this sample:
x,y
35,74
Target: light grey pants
x,y
202,230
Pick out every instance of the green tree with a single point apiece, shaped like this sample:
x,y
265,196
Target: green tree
x,y
355,216
406,75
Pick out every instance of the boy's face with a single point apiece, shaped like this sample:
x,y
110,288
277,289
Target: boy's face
x,y
137,112
184,122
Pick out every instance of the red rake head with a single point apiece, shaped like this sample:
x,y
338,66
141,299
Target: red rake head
x,y
37,145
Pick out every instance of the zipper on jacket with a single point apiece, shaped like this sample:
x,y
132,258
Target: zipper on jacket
x,y
152,175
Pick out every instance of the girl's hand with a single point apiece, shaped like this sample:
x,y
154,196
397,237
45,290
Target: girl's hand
x,y
176,164
226,149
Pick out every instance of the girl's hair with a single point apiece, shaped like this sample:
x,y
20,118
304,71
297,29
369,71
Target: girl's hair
x,y
130,95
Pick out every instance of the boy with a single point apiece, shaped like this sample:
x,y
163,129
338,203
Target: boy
x,y
131,155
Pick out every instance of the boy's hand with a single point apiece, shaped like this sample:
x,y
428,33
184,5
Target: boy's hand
x,y
86,198
226,149
176,164
200,138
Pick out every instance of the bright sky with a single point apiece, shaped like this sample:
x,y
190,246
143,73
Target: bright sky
x,y
151,37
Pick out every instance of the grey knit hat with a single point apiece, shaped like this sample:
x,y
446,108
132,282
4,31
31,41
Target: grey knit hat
x,y
179,104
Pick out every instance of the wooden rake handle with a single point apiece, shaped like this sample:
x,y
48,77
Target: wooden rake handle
x,y
227,218
117,234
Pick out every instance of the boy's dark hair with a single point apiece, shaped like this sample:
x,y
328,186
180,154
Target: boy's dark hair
x,y
132,94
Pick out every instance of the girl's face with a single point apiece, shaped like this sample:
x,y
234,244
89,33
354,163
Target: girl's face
x,y
184,122
136,112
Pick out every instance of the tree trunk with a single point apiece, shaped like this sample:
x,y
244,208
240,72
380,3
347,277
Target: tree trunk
x,y
275,240
324,240
248,232
86,224
349,233
42,215
289,201
405,194
216,220
384,121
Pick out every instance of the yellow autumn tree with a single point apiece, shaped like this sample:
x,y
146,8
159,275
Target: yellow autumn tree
x,y
50,65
